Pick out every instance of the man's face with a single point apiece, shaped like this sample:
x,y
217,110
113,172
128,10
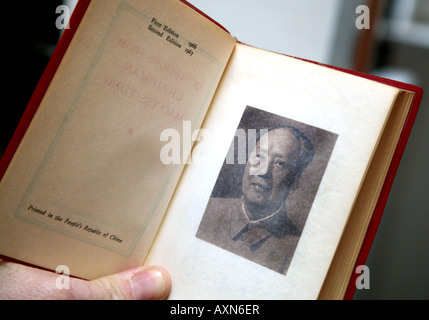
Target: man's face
x,y
268,167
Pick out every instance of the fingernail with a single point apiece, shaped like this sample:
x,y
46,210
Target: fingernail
x,y
148,285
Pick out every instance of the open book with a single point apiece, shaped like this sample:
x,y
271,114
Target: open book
x,y
155,137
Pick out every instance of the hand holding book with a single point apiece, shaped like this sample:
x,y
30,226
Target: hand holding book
x,y
141,283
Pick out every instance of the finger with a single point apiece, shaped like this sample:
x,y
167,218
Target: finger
x,y
22,282
142,283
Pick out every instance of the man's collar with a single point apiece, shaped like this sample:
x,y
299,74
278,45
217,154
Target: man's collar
x,y
277,224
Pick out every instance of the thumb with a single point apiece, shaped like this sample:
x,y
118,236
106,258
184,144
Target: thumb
x,y
142,283
25,282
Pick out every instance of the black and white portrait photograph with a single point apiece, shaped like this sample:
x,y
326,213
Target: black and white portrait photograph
x,y
266,187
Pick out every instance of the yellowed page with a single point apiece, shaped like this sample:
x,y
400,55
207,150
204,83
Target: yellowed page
x,y
352,108
87,188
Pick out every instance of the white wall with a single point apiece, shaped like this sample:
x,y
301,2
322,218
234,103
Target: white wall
x,y
70,3
304,28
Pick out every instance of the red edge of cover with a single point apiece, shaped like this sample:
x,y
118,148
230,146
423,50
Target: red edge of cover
x,y
43,84
47,76
393,168
391,173
382,200
63,44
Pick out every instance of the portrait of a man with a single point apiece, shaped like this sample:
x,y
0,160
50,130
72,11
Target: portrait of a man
x,y
250,216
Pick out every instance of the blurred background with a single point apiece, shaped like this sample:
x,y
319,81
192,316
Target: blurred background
x,y
396,46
